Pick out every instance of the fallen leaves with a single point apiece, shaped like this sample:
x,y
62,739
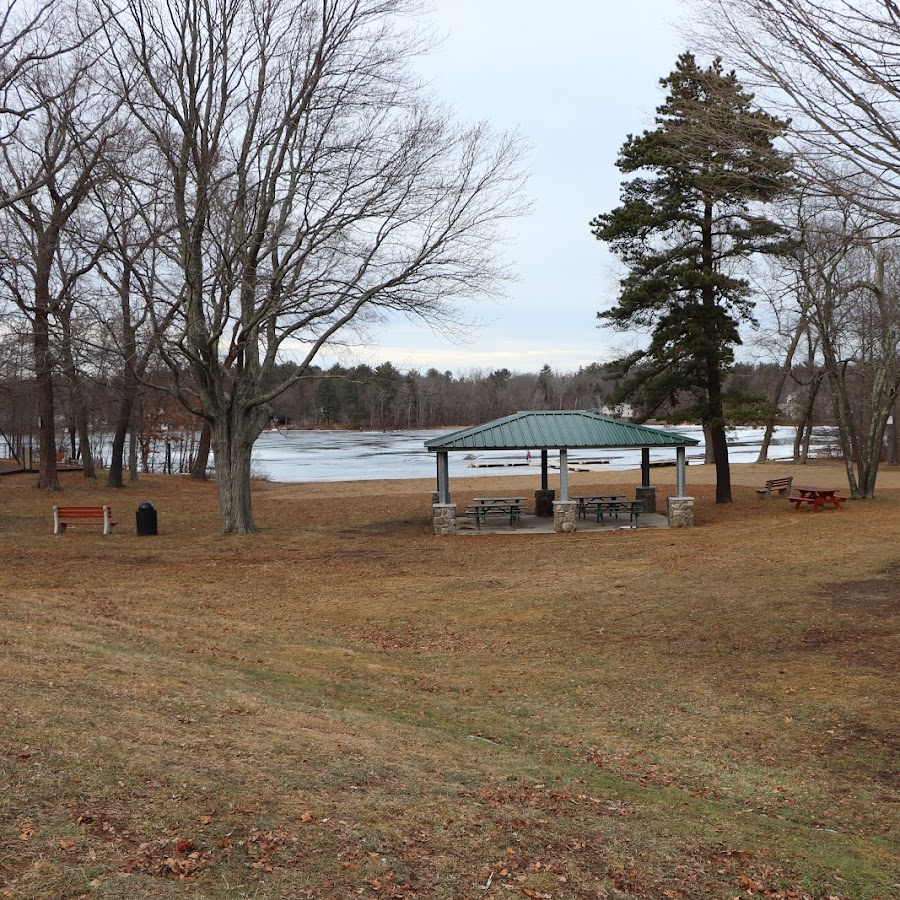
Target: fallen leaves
x,y
166,858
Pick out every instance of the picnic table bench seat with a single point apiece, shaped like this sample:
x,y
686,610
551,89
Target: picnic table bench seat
x,y
818,502
613,507
634,508
589,503
100,516
780,486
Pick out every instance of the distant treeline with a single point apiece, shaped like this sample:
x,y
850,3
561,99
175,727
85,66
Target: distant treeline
x,y
384,397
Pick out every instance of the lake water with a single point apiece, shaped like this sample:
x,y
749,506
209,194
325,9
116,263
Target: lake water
x,y
365,455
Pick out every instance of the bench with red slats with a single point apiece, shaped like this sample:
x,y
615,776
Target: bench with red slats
x,y
101,516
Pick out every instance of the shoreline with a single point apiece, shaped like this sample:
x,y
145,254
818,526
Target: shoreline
x,y
743,475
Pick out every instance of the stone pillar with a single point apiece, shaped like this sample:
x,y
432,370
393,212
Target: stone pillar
x,y
647,494
444,518
565,513
681,512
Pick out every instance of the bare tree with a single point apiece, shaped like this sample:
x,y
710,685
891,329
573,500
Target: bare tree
x,y
831,65
47,169
312,186
131,269
788,300
33,37
75,258
851,278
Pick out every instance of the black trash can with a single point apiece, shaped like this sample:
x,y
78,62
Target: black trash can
x,y
146,519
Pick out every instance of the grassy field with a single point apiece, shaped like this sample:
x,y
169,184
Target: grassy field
x,y
345,705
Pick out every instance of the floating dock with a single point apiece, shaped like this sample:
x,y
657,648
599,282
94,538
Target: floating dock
x,y
536,463
496,465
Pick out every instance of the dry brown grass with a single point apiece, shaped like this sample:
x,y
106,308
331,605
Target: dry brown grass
x,y
345,705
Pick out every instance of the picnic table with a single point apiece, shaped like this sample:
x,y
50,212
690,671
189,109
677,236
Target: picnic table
x,y
610,504
817,497
482,507
591,502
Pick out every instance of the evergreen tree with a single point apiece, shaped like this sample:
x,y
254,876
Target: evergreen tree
x,y
328,401
686,221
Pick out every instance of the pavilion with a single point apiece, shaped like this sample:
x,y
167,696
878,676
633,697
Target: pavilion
x,y
563,430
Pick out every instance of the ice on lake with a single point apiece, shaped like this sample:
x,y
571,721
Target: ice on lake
x,y
364,455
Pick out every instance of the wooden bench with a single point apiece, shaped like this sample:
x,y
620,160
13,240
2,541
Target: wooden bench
x,y
780,486
63,516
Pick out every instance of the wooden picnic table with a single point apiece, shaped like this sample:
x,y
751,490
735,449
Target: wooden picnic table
x,y
590,502
482,507
817,497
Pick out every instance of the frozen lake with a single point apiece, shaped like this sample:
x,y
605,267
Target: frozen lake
x,y
365,455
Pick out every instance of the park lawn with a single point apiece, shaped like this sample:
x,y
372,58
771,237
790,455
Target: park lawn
x,y
345,705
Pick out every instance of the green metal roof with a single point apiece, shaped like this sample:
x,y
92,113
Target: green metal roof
x,y
555,429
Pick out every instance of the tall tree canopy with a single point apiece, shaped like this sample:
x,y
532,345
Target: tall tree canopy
x,y
831,65
313,186
693,213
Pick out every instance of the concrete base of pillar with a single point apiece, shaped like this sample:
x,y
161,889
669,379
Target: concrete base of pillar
x,y
444,518
647,495
681,512
565,516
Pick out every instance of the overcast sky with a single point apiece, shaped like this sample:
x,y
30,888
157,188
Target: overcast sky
x,y
574,77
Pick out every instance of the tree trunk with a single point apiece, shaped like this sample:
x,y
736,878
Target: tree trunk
x,y
130,383
767,439
716,425
843,416
884,390
79,407
804,424
117,461
723,470
48,477
882,401
779,387
893,445
145,440
715,414
89,469
232,458
133,452
201,463
709,451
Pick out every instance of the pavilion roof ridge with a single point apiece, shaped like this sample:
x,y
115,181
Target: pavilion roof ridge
x,y
574,428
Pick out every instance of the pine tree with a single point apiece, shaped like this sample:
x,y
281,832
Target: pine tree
x,y
690,216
